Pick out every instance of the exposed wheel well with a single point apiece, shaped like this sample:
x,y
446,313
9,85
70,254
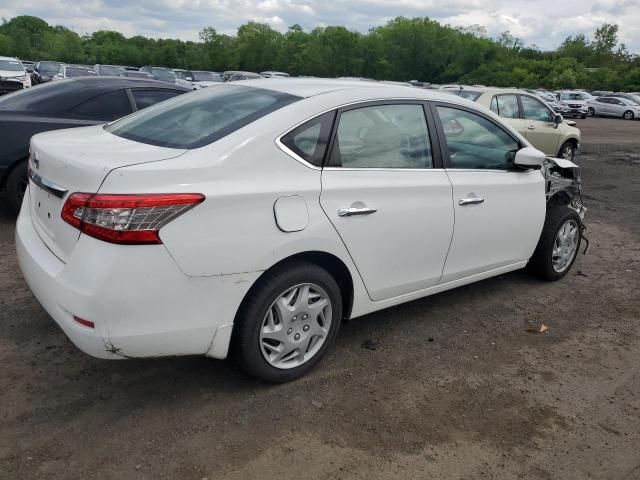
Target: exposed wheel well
x,y
332,264
11,168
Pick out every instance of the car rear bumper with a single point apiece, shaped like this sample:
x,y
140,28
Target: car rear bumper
x,y
141,303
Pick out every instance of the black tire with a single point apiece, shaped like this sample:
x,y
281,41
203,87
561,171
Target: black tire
x,y
628,115
566,146
245,347
16,186
592,112
541,262
583,116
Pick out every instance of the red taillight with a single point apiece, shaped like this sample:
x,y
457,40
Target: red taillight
x,y
126,219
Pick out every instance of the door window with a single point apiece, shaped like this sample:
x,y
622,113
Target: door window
x,y
475,142
108,106
146,97
535,110
382,136
506,106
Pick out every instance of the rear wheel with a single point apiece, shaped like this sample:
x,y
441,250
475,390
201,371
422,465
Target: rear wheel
x,y
16,186
628,115
567,151
559,243
287,322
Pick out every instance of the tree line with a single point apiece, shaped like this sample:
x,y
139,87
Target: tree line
x,y
403,49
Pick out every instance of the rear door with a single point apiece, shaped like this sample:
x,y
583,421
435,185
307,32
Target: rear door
x,y
387,195
541,129
499,211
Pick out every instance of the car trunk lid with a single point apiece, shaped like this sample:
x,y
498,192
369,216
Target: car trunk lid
x,y
76,160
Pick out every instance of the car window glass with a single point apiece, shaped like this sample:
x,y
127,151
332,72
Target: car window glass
x,y
200,118
146,97
382,136
535,110
494,105
108,106
475,142
508,106
309,141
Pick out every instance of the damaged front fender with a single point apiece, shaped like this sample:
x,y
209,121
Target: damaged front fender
x,y
563,183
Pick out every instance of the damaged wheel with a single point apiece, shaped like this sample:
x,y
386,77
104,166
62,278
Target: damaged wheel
x,y
559,243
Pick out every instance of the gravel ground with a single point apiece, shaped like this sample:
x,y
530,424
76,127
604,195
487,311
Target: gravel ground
x,y
455,386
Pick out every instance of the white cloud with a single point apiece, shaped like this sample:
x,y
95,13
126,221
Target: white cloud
x,y
543,22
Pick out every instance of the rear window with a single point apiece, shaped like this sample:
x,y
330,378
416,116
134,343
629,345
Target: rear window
x,y
37,98
201,117
469,95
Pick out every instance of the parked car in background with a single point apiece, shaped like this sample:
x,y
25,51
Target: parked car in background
x,y
613,107
73,71
108,70
634,97
233,75
576,102
530,116
137,74
28,66
13,75
166,75
65,104
271,74
149,247
45,70
199,78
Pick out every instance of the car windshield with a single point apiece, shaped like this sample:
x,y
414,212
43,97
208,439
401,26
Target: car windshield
x,y
110,70
49,67
11,66
164,75
201,117
573,96
78,72
183,74
206,77
35,99
468,94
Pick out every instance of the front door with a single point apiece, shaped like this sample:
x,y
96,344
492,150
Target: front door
x,y
388,197
499,210
541,130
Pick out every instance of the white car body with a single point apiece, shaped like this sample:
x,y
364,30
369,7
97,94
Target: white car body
x,y
263,204
18,73
613,107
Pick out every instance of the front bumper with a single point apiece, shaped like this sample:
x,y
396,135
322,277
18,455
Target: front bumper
x,y
142,304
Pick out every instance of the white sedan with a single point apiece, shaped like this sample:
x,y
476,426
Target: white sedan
x,y
252,218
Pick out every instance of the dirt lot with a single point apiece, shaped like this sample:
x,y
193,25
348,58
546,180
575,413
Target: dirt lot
x,y
457,389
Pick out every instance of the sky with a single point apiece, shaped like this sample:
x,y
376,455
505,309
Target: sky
x,y
544,23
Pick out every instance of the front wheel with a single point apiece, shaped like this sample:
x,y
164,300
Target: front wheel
x,y
567,151
628,115
287,322
559,243
592,112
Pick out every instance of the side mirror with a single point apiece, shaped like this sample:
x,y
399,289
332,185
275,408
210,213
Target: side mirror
x,y
528,158
558,119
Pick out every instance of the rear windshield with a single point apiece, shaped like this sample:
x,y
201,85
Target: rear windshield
x,y
469,95
201,117
206,77
78,72
38,98
164,74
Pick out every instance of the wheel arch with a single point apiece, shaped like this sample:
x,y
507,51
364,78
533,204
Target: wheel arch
x,y
328,261
10,168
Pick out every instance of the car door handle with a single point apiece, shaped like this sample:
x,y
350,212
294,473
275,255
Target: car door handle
x,y
470,201
351,211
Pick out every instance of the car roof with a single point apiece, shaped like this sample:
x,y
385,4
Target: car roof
x,y
310,87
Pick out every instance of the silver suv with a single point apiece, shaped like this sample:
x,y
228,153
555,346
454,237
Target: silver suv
x,y
576,103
